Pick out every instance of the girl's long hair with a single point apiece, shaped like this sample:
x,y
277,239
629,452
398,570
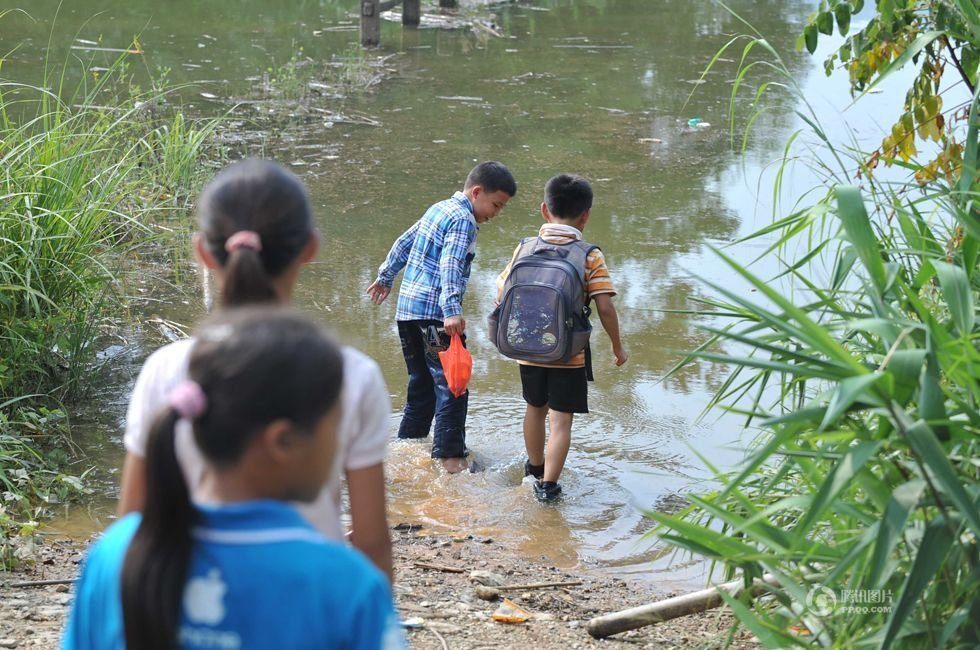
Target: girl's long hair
x,y
255,366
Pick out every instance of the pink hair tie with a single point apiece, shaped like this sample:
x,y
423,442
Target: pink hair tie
x,y
188,399
244,239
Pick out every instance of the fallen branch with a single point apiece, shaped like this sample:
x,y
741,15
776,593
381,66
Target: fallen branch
x,y
538,585
40,583
485,592
439,636
665,610
439,567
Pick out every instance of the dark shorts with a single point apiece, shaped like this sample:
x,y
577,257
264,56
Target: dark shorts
x,y
560,389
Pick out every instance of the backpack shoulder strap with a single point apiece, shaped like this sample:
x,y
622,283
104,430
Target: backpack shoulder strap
x,y
582,249
579,252
581,243
527,247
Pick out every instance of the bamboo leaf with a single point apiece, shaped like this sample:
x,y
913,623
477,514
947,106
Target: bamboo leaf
x,y
767,634
842,567
906,367
841,474
857,227
904,499
967,215
919,44
715,544
755,529
752,362
776,350
959,297
971,17
846,393
929,558
806,330
926,445
842,267
932,405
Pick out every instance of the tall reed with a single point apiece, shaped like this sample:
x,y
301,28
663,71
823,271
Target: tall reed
x,y
87,177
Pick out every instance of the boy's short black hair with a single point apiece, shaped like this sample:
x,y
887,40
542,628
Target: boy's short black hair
x,y
567,196
492,176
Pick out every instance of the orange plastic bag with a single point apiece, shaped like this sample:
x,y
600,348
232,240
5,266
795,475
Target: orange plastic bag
x,y
457,365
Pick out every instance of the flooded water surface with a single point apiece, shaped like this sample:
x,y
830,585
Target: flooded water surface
x,y
603,88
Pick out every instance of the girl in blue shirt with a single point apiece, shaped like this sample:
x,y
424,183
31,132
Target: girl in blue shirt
x,y
239,568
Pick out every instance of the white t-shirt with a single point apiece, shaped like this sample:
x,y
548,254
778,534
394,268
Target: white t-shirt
x,y
362,437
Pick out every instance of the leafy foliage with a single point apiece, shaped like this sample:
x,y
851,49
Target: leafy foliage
x,y
935,36
861,495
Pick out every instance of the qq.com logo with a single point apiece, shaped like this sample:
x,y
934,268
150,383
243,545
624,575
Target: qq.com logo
x,y
821,600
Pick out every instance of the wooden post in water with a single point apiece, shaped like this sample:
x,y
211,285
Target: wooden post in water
x,y
371,17
370,23
411,12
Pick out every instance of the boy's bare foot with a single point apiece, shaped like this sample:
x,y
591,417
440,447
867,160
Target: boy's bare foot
x,y
454,465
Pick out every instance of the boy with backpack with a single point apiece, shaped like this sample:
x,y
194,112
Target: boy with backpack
x,y
542,320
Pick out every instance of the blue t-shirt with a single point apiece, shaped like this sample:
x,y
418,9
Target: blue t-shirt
x,y
260,577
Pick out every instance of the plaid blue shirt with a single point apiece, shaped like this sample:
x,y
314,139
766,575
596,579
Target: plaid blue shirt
x,y
436,253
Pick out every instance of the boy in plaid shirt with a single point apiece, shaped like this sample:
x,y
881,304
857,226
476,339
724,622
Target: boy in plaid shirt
x,y
437,253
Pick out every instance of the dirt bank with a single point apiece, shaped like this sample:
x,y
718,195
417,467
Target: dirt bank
x,y
435,590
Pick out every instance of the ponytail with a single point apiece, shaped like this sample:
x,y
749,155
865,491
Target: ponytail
x,y
256,220
246,281
157,561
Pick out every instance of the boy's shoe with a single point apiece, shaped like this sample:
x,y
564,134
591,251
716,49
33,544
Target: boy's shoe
x,y
546,491
537,471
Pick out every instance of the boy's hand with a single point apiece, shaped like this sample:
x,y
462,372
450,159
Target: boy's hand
x,y
621,355
454,325
378,293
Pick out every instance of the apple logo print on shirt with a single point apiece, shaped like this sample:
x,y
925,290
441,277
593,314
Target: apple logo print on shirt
x,y
203,598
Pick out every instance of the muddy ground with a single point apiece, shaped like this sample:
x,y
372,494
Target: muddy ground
x,y
436,593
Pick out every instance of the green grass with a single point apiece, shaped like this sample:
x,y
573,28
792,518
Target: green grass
x,y
89,177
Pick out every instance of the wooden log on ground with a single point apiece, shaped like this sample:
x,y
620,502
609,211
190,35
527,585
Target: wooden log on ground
x,y
411,13
699,601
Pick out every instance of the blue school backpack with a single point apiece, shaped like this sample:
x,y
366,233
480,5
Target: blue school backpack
x,y
543,315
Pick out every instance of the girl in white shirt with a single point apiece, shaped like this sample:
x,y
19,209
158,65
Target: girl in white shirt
x,y
255,233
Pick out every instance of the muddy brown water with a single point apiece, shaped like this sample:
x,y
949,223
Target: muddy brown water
x,y
604,88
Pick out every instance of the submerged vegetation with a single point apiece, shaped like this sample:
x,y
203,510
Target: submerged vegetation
x,y
89,175
861,494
